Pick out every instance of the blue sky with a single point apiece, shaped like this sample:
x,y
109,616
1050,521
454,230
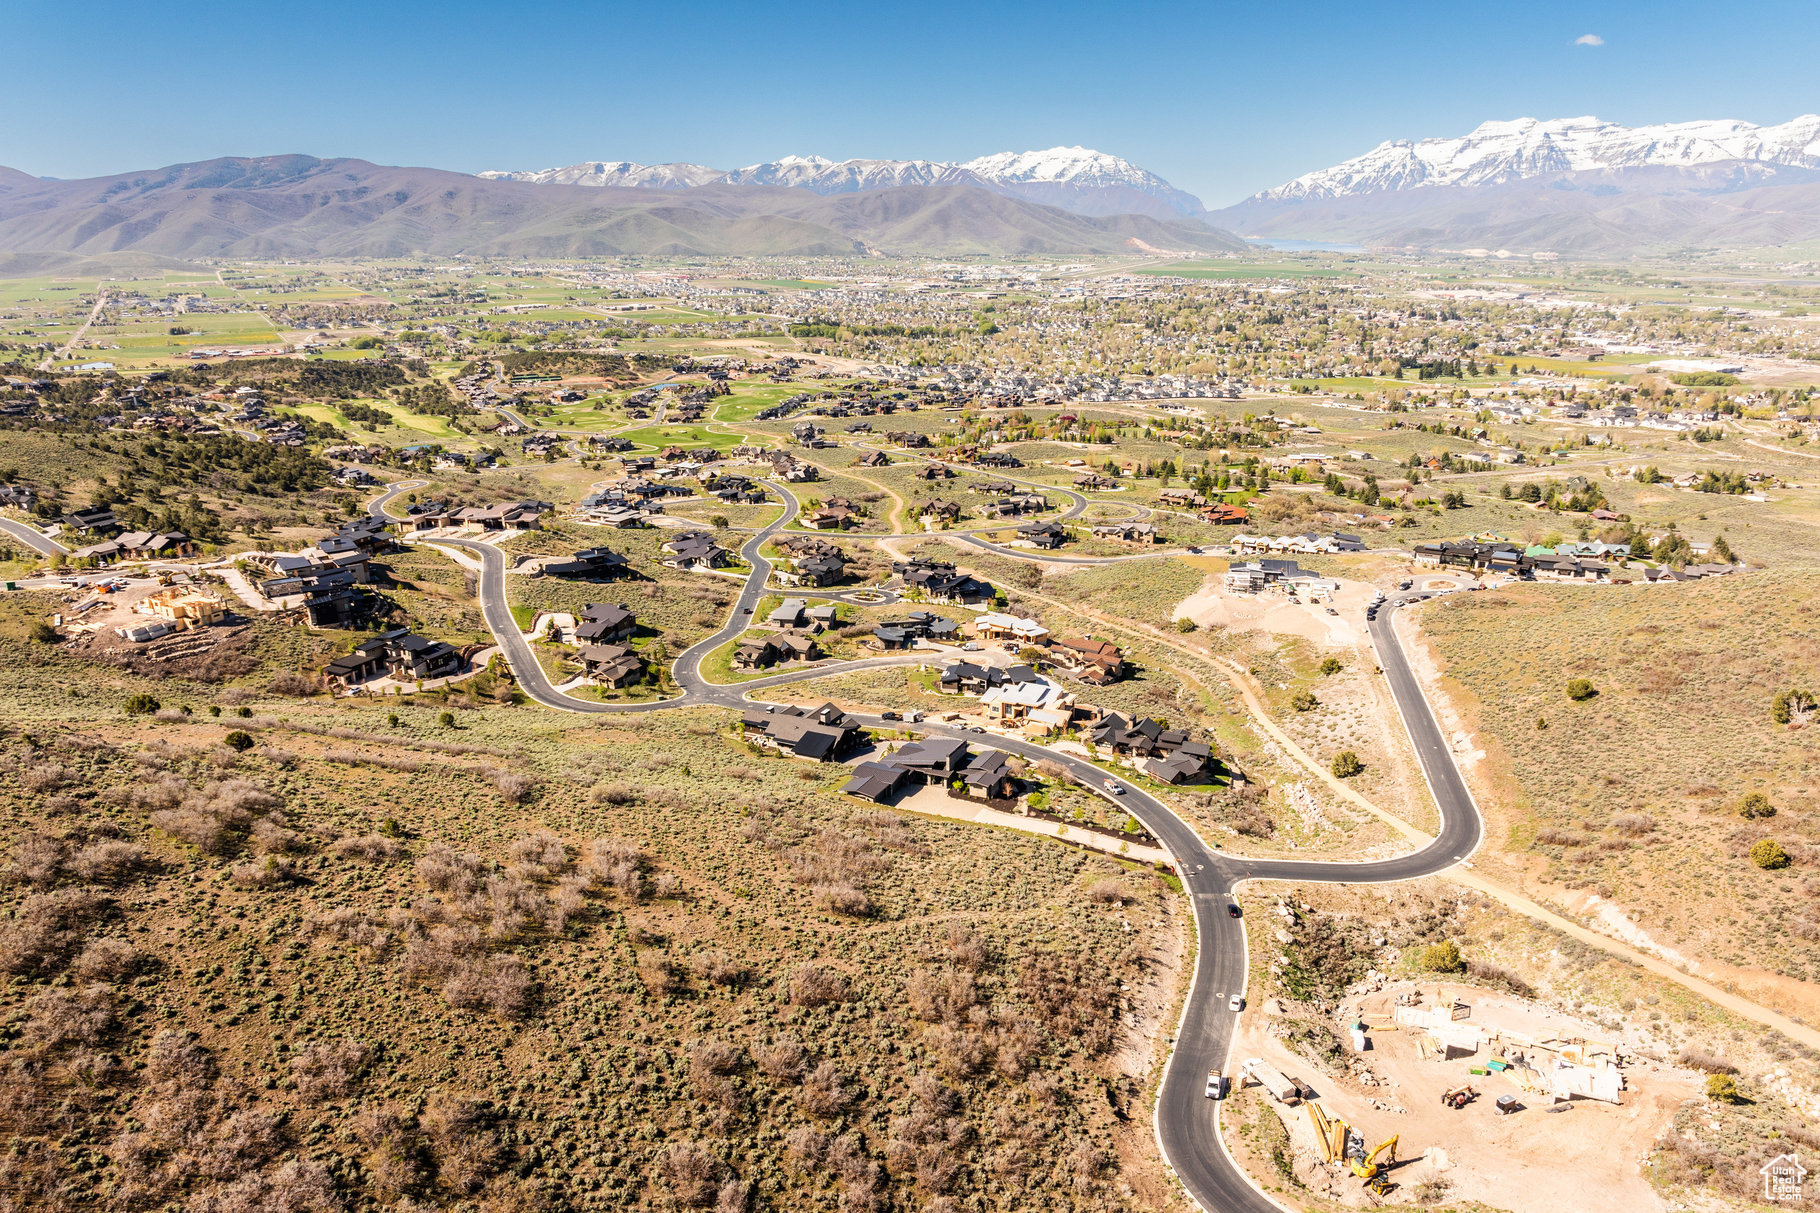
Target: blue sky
x,y
1222,99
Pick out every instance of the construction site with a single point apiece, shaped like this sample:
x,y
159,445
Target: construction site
x,y
1460,1094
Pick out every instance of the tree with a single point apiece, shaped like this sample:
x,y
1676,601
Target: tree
x,y
718,520
1330,667
1580,690
239,740
446,720
1769,855
140,704
1756,805
44,633
1443,957
1304,701
1186,625
1346,764
1792,706
1723,1088
1722,551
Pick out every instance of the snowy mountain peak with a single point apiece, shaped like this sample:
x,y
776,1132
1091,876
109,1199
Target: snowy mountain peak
x,y
1075,178
1501,151
1061,164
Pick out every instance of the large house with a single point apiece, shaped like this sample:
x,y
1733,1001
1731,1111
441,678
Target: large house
x,y
940,761
1096,662
1045,535
939,581
763,652
995,625
695,551
903,633
402,655
611,665
823,734
1127,532
1508,559
1306,544
605,623
1170,755
595,564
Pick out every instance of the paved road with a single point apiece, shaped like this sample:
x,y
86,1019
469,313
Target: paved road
x,y
32,538
1187,1127
50,359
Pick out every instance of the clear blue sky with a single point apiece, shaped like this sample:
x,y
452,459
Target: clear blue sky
x,y
1220,98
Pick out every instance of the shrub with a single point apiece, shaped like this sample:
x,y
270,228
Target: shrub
x,y
43,933
107,959
1346,764
1633,825
1768,854
1579,690
1185,625
446,720
367,846
293,684
327,1070
1723,1088
1330,667
514,786
1107,893
1304,701
1693,1059
1755,805
44,633
811,985
140,704
239,741
62,1017
1443,957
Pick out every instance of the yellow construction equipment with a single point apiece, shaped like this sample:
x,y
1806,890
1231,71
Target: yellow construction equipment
x,y
1368,1166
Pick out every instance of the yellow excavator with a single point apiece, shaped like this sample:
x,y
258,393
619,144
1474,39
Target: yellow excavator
x,y
1367,1166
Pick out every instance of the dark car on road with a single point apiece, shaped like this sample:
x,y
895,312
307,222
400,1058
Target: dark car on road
x,y
1232,910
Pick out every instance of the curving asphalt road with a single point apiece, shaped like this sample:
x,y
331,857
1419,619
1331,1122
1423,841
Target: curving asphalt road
x,y
32,538
1187,1123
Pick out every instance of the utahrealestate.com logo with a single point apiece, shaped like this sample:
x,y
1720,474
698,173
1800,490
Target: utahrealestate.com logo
x,y
1782,1176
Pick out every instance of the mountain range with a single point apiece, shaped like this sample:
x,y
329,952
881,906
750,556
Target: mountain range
x,y
1573,185
1076,179
303,207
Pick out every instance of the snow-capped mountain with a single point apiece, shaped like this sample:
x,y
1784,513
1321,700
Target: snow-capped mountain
x,y
848,176
1074,178
618,173
1501,152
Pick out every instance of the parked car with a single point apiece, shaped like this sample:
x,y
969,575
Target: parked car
x,y
1331,611
1114,786
1216,1085
1236,1003
889,716
970,647
1404,585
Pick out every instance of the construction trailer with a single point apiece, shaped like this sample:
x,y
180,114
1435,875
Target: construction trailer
x,y
1281,1088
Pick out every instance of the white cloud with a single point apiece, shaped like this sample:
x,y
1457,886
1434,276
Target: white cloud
x,y
1589,40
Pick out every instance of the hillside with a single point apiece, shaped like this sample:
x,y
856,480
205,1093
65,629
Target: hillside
x,y
1634,794
302,207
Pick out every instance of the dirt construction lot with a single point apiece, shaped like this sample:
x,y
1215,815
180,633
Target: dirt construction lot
x,y
1531,1160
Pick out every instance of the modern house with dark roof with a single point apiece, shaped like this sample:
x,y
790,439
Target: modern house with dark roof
x,y
605,623
823,734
